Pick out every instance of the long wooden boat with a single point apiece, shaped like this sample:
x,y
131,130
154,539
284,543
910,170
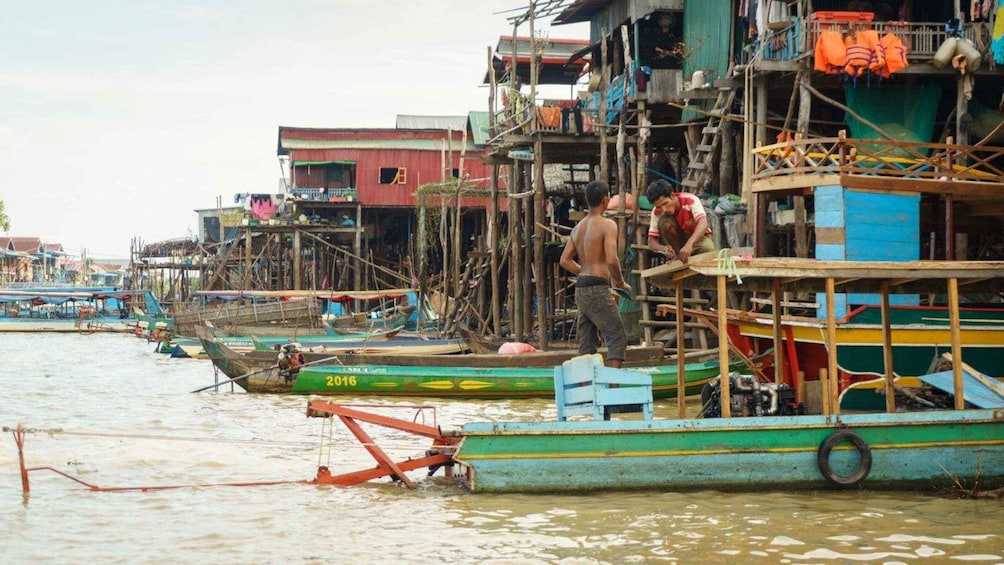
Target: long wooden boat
x,y
74,309
327,377
743,448
637,356
192,348
366,322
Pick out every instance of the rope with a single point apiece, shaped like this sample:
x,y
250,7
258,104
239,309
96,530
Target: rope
x,y
53,431
727,265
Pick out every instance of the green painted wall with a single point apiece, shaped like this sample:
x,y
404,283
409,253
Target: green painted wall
x,y
707,29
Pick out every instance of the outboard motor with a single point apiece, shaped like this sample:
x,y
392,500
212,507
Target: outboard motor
x,y
749,397
290,360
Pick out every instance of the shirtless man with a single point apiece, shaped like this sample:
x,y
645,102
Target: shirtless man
x,y
594,242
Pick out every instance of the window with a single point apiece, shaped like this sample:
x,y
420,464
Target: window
x,y
393,175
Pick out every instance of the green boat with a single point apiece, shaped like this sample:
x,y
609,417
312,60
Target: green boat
x,y
473,382
327,377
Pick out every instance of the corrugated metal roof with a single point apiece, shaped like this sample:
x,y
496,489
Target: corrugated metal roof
x,y
479,127
562,61
407,144
456,123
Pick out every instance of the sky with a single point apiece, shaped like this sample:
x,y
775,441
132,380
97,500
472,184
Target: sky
x,y
119,118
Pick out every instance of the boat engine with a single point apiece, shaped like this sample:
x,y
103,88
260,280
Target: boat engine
x,y
290,360
750,397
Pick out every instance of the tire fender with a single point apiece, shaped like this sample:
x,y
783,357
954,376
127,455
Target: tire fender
x,y
823,459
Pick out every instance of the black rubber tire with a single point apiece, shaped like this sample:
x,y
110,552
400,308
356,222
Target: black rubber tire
x,y
823,459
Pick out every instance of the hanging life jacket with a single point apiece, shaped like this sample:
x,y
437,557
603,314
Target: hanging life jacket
x,y
859,57
831,53
894,51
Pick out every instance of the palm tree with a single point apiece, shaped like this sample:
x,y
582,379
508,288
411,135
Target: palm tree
x,y
4,220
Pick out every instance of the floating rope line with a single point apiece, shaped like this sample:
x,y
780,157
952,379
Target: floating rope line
x,y
727,265
51,432
20,431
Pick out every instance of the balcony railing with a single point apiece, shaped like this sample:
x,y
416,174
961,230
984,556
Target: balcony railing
x,y
921,39
889,160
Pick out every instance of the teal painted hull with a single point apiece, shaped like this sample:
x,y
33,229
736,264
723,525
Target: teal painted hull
x,y
912,450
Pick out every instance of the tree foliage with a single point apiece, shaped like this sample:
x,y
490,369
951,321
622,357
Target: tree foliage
x,y
4,220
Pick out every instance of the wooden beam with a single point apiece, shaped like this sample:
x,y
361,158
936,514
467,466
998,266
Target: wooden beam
x,y
956,333
890,390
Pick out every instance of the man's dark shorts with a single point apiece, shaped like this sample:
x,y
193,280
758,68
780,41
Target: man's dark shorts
x,y
598,315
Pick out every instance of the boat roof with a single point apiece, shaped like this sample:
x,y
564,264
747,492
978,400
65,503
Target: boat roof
x,y
810,275
332,295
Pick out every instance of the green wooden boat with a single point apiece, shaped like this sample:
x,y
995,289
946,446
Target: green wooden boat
x,y
325,376
472,382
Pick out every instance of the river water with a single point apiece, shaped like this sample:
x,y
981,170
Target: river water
x,y
123,416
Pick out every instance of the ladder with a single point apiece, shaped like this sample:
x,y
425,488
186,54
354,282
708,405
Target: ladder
x,y
701,161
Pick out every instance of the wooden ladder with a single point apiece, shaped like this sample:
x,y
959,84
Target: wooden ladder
x,y
700,162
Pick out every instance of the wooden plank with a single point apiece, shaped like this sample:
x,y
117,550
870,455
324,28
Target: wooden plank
x,y
961,190
830,236
792,182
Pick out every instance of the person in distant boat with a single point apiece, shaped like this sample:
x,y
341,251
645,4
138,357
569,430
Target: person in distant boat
x,y
679,220
594,243
290,360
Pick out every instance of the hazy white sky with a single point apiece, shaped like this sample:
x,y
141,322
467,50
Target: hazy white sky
x,y
118,118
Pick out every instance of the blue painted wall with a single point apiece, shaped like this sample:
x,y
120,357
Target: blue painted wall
x,y
877,227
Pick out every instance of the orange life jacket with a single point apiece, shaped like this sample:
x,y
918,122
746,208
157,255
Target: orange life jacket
x,y
859,56
895,54
869,38
831,53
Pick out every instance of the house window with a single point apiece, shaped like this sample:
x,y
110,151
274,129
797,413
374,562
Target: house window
x,y
393,175
455,173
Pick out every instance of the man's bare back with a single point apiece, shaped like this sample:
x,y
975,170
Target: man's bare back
x,y
594,242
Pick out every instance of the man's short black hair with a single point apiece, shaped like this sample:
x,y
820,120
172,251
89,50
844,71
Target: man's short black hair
x,y
596,191
658,189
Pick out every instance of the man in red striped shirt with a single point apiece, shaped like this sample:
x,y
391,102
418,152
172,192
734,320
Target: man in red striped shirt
x,y
679,219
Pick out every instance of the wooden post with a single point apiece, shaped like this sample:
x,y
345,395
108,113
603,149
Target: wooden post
x,y
723,348
247,261
604,81
533,69
824,391
681,361
778,343
831,345
954,323
890,389
420,247
528,275
538,242
297,260
800,387
516,262
359,246
493,258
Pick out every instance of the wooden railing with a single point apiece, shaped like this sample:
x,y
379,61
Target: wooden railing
x,y
878,158
921,39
